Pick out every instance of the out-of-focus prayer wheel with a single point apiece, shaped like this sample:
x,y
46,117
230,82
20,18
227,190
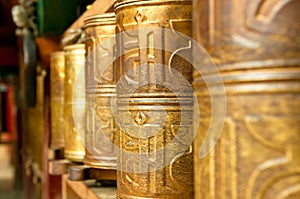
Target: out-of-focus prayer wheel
x,y
150,111
74,103
100,88
57,76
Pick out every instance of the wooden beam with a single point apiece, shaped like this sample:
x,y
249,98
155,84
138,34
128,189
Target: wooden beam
x,y
85,189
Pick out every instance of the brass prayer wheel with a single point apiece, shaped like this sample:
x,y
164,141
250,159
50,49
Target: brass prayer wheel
x,y
149,111
33,120
100,88
74,103
257,54
57,76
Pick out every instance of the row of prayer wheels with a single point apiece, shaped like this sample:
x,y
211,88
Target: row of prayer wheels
x,y
131,97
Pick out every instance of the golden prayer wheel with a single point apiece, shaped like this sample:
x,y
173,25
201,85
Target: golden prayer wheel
x,y
33,124
257,54
100,88
57,76
74,103
149,111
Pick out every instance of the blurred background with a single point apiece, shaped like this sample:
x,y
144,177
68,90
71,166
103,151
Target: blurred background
x,y
10,177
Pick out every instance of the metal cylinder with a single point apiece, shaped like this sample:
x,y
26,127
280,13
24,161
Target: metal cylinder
x,y
74,104
257,54
149,110
57,76
100,88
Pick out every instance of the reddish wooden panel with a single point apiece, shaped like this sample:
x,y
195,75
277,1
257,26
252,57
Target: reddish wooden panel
x,y
8,56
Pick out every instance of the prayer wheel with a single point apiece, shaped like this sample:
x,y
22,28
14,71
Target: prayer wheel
x,y
57,76
74,103
33,124
256,47
100,88
150,107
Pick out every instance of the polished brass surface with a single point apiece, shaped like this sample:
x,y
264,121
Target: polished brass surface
x,y
57,76
74,103
100,88
256,46
149,102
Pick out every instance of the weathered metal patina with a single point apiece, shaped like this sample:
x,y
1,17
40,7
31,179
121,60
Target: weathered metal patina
x,y
149,115
100,88
255,45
